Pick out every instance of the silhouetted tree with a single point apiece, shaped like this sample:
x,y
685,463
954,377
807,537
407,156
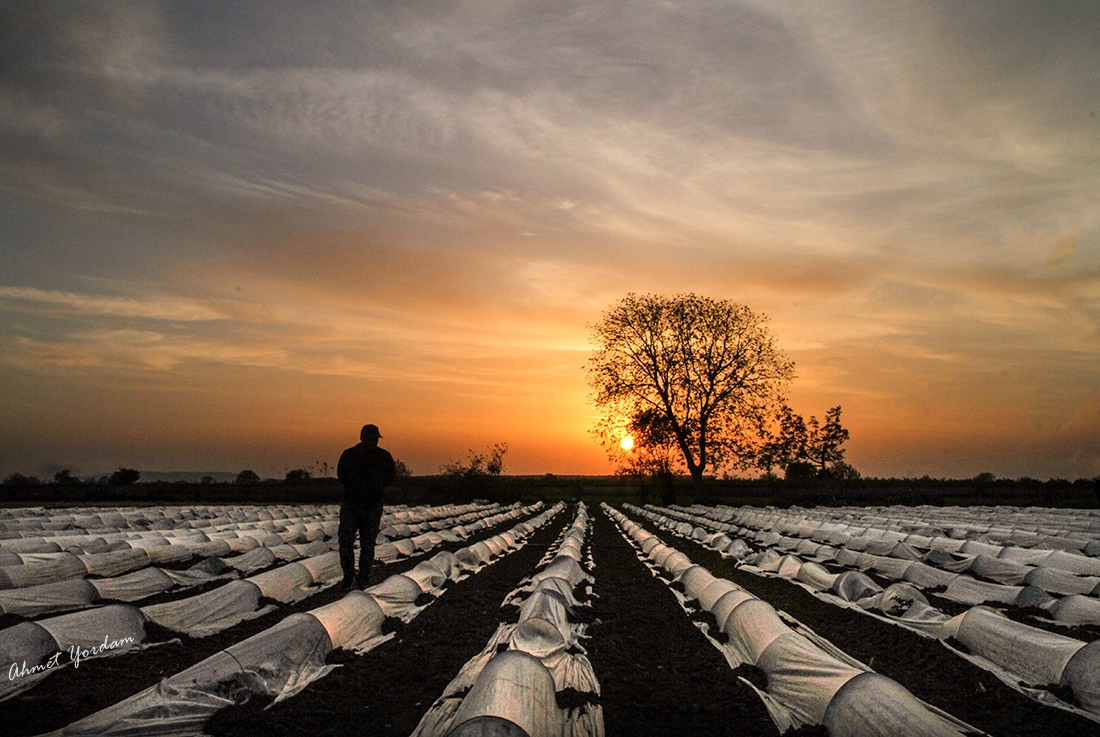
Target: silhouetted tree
x,y
124,477
844,471
64,476
402,468
787,445
297,476
247,477
824,441
805,449
710,368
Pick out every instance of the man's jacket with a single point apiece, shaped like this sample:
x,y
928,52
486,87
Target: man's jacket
x,y
365,472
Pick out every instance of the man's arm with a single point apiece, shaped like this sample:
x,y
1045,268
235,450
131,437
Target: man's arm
x,y
390,470
343,468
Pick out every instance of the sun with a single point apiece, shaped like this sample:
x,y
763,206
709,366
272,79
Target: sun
x,y
627,443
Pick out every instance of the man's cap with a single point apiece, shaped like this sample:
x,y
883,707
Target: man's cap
x,y
370,431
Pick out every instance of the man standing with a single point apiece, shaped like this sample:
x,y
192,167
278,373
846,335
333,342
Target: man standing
x,y
365,470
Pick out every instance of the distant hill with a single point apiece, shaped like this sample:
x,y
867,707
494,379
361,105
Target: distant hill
x,y
188,476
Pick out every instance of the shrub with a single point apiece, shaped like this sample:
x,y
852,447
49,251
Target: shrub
x,y
124,477
478,476
298,476
247,477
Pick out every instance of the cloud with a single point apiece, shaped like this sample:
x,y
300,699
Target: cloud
x,y
435,201
41,301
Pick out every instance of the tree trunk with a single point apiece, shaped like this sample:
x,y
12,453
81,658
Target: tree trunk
x,y
697,482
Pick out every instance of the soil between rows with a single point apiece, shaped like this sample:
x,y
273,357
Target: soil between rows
x,y
923,665
659,675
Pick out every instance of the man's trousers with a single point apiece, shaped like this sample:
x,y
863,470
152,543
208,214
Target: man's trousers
x,y
362,521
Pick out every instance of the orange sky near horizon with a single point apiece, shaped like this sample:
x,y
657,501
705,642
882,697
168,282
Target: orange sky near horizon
x,y
229,238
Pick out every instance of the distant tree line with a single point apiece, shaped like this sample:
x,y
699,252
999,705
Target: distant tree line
x,y
65,477
319,472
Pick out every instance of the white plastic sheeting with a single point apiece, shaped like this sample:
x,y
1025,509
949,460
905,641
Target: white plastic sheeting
x,y
291,582
959,587
214,611
197,616
516,688
133,586
513,692
426,535
1076,609
122,522
354,622
189,531
279,661
751,628
802,679
324,568
65,565
210,612
1054,569
115,563
251,561
26,652
31,601
115,553
77,593
30,651
1035,656
218,609
1082,674
1022,656
871,705
806,677
88,629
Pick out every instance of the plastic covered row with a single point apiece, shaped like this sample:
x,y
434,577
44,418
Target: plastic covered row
x,y
807,684
1024,657
968,576
283,659
511,686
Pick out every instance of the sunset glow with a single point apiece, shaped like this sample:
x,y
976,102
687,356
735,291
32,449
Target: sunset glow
x,y
627,443
230,237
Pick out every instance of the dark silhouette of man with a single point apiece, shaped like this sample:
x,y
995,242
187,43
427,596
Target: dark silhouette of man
x,y
365,470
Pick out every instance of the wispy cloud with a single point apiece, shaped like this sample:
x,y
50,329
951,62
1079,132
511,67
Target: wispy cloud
x,y
50,302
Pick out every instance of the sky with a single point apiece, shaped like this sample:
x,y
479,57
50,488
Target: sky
x,y
232,233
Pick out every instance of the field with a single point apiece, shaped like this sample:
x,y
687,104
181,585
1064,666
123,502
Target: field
x,y
618,620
